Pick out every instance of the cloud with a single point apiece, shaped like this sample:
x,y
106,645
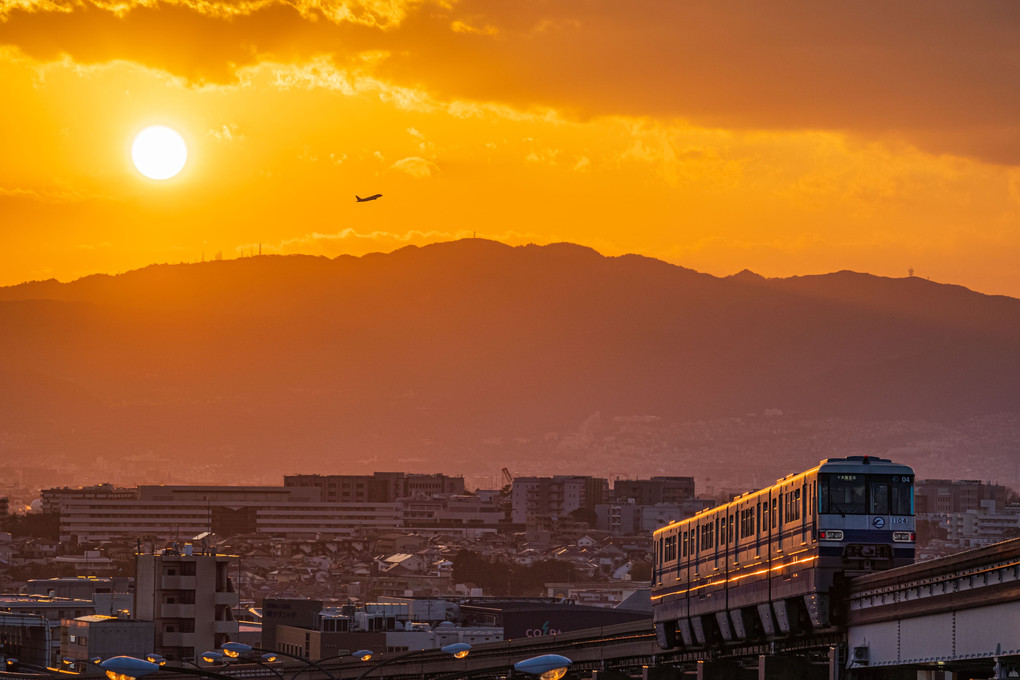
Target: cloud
x,y
463,27
416,167
226,133
941,75
59,195
350,241
377,13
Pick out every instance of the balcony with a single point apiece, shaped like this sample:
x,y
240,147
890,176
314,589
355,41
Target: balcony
x,y
178,583
177,640
177,611
231,599
230,627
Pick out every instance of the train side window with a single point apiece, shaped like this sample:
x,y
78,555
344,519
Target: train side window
x,y
902,495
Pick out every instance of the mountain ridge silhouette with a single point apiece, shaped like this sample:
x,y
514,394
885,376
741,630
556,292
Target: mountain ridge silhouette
x,y
434,348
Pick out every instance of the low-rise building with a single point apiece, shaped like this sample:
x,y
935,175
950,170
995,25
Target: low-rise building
x,y
314,630
111,596
31,611
86,637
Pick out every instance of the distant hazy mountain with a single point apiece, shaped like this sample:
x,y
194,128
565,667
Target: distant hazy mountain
x,y
289,361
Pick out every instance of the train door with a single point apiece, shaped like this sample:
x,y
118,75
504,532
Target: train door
x,y
780,519
804,493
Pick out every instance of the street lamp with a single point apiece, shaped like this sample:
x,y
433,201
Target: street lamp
x,y
457,650
361,655
130,668
214,657
546,667
235,650
12,663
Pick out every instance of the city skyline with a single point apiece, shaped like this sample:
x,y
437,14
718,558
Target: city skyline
x,y
798,138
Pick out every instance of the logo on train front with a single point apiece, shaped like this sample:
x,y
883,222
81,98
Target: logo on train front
x,y
878,522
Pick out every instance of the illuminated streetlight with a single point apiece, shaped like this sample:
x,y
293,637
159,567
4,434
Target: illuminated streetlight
x,y
130,668
458,650
127,668
546,667
235,650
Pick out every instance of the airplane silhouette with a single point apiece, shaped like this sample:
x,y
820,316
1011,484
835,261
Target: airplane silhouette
x,y
370,198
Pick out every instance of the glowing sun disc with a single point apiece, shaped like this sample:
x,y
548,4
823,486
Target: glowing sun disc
x,y
159,152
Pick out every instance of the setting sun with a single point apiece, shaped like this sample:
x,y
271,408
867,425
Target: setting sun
x,y
717,136
159,152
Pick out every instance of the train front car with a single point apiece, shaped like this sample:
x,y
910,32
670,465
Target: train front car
x,y
865,514
766,564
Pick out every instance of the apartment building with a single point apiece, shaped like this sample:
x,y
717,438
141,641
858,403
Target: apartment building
x,y
170,513
941,496
669,490
188,597
555,497
379,487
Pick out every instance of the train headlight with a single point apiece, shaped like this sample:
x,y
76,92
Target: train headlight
x,y
903,536
830,535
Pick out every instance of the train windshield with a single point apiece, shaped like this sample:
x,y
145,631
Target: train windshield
x,y
859,494
844,494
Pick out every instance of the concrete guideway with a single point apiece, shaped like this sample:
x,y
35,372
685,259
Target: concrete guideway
x,y
960,613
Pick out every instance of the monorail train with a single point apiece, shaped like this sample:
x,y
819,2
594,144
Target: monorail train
x,y
763,565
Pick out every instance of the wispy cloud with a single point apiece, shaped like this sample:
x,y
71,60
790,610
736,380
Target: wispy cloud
x,y
416,166
378,13
55,195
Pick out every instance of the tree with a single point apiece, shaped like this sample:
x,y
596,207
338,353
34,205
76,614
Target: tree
x,y
37,525
501,576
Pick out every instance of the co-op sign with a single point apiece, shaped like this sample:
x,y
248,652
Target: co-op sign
x,y
539,632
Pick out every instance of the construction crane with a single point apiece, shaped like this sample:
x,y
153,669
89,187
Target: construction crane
x,y
507,477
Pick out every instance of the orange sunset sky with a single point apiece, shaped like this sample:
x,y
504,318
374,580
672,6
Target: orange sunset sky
x,y
784,136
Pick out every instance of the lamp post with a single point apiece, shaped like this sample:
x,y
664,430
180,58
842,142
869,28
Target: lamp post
x,y
235,650
457,650
361,654
214,657
13,663
538,665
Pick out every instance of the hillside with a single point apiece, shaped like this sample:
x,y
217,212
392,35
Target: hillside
x,y
285,362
